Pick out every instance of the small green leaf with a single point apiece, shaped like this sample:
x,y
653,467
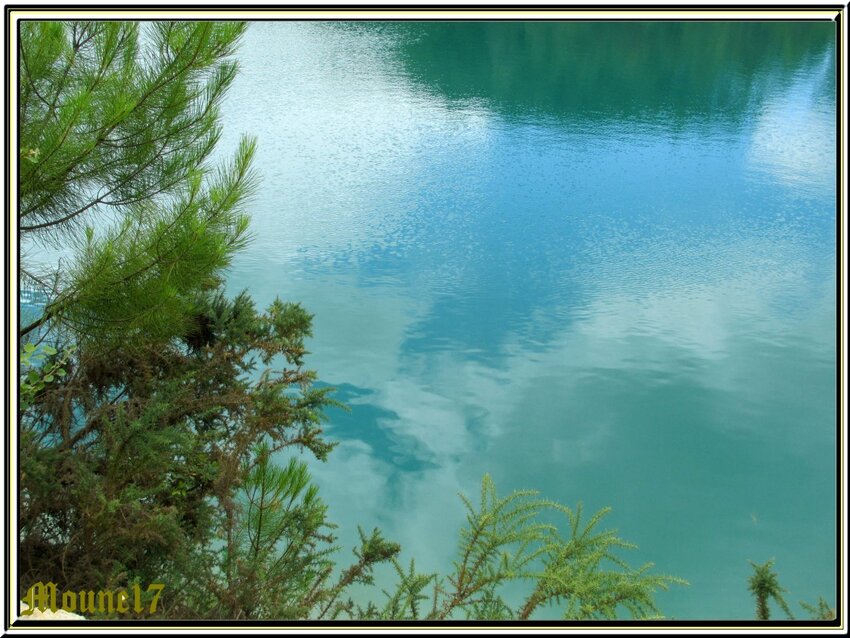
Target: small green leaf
x,y
30,347
49,350
60,372
48,378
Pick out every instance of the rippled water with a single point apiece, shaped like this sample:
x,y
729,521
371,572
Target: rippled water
x,y
596,260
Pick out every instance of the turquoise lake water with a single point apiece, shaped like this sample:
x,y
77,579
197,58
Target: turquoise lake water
x,y
595,260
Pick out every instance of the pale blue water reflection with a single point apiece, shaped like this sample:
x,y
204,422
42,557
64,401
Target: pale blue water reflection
x,y
612,283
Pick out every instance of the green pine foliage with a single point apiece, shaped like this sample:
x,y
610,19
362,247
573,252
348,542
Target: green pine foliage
x,y
820,610
277,545
764,585
117,124
504,541
138,456
584,573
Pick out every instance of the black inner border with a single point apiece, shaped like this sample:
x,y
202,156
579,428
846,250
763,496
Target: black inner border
x,y
247,9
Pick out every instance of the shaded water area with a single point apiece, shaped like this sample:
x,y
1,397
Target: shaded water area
x,y
592,259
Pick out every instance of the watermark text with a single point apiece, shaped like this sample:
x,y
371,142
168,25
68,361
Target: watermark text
x,y
44,596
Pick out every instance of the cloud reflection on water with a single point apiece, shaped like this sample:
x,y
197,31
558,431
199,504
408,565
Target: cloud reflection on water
x,y
604,305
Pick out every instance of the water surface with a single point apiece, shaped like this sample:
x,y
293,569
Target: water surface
x,y
596,260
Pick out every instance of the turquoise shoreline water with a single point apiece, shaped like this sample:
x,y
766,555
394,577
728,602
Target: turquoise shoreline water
x,y
595,260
